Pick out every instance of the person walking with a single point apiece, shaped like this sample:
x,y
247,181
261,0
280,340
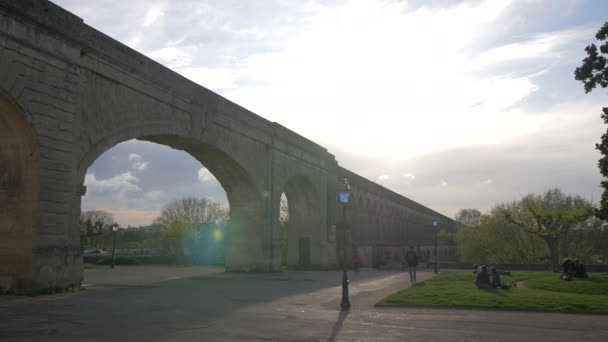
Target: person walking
x,y
412,261
356,262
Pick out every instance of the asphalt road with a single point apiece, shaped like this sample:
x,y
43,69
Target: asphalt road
x,y
147,303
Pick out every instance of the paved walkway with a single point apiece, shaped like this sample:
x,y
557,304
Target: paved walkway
x,y
148,303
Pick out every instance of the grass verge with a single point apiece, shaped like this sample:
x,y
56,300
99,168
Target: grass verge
x,y
543,291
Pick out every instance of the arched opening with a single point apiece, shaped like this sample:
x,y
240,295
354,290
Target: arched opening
x,y
169,207
302,231
244,235
19,197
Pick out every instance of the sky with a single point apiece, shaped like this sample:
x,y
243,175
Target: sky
x,y
453,104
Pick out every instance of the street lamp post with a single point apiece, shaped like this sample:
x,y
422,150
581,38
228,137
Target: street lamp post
x,y
114,230
435,225
344,194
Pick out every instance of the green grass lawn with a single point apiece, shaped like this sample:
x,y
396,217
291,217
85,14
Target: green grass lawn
x,y
541,291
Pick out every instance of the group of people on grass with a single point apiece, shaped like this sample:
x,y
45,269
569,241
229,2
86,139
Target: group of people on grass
x,y
489,278
573,268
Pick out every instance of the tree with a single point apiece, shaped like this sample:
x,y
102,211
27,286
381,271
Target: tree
x,y
93,222
588,241
594,70
550,217
183,219
592,73
469,217
196,211
489,238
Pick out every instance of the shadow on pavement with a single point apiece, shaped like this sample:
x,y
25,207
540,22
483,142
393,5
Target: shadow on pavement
x,y
335,329
155,311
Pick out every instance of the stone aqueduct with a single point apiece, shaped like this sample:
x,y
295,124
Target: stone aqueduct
x,y
68,93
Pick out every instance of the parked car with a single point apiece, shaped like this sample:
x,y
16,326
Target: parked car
x,y
95,252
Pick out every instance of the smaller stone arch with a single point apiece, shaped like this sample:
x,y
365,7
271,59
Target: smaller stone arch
x,y
304,227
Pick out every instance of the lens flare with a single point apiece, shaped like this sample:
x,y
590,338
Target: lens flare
x,y
217,234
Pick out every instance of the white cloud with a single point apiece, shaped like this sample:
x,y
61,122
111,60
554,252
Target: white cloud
x,y
214,78
487,182
383,177
444,183
136,162
134,156
420,93
140,166
204,175
152,15
122,183
174,57
248,32
544,46
409,176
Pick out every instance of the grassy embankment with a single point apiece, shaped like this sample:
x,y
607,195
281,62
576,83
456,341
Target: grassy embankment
x,y
537,291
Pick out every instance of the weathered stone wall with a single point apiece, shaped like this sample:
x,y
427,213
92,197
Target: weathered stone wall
x,y
384,224
19,186
40,75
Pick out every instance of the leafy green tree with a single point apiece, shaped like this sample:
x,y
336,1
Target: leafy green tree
x,y
469,217
592,73
184,218
489,238
550,217
587,241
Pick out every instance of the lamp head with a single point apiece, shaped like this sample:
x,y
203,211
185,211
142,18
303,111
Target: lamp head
x,y
344,191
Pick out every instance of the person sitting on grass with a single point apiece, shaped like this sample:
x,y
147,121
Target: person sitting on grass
x,y
475,269
495,280
568,269
482,280
579,270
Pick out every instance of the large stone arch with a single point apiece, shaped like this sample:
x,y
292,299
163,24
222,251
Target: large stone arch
x,y
305,222
19,197
247,234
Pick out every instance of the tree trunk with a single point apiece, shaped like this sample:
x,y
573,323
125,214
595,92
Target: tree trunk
x,y
552,243
566,244
180,251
